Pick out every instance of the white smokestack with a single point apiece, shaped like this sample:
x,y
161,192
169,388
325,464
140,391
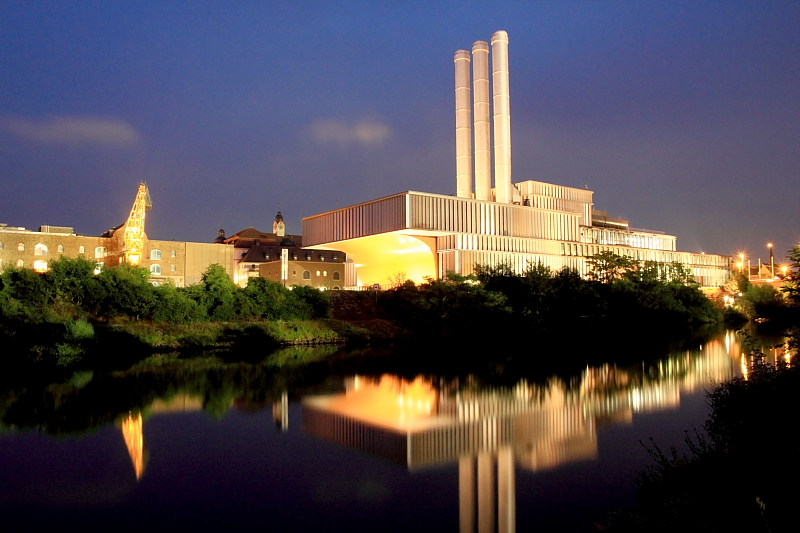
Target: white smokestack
x,y
463,126
502,118
483,146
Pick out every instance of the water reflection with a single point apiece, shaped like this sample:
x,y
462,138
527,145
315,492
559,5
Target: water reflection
x,y
489,431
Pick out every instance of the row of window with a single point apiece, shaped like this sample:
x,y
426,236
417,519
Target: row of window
x,y
156,269
100,251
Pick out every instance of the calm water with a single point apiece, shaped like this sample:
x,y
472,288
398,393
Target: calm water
x,y
350,453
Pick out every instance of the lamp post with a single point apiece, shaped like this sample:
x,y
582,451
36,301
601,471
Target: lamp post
x,y
771,261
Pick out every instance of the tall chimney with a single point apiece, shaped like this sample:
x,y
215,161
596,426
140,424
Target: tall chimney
x,y
483,139
502,118
463,126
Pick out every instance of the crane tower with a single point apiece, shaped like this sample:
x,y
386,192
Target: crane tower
x,y
134,227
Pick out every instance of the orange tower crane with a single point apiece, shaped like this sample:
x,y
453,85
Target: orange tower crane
x,y
134,227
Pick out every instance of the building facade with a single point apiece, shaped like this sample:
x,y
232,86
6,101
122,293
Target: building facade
x,y
420,235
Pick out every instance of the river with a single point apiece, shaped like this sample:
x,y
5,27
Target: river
x,y
358,452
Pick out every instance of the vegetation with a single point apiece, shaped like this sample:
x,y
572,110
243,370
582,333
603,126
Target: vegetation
x,y
738,472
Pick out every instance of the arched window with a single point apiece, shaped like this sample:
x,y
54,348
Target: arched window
x,y
81,250
173,253
99,252
306,274
317,273
324,273
155,255
40,249
336,287
155,270
172,268
21,247
336,276
61,248
20,263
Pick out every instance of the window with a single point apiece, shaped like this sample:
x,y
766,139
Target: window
x,y
40,249
294,272
81,250
98,267
20,247
20,263
336,287
173,253
336,276
155,270
2,246
155,255
99,252
61,248
324,273
306,274
172,268
317,273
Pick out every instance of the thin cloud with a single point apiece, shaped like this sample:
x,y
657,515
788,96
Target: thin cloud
x,y
366,132
74,131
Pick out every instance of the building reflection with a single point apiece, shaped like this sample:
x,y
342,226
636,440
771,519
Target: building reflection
x,y
489,432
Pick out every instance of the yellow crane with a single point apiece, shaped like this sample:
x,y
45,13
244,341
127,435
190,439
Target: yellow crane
x,y
134,227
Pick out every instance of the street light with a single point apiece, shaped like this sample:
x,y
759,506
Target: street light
x,y
771,261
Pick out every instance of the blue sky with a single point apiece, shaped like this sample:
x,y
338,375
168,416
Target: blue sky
x,y
682,116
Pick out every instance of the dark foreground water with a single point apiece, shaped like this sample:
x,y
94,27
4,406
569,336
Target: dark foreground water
x,y
352,453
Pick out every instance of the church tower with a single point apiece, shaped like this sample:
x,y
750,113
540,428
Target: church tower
x,y
278,227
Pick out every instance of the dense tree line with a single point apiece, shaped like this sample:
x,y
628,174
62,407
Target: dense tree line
x,y
617,288
71,290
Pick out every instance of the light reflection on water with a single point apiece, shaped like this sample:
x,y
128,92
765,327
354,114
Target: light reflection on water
x,y
493,436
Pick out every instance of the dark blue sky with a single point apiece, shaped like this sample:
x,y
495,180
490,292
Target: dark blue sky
x,y
682,116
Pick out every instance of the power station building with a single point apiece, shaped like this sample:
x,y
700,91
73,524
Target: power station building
x,y
421,235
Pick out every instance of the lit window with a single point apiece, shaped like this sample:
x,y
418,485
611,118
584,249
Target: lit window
x,y
155,270
61,248
336,276
99,252
325,273
155,255
317,273
173,253
306,274
20,247
20,263
172,268
40,249
81,250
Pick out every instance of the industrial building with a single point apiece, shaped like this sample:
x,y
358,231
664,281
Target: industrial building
x,y
181,263
418,235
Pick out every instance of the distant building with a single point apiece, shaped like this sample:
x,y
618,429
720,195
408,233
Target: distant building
x,y
181,263
260,254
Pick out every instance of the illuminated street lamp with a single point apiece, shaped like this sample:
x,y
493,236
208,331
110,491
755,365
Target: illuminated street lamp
x,y
771,261
783,269
739,264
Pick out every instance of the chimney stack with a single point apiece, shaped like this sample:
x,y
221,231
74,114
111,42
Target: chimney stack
x,y
502,118
463,126
483,146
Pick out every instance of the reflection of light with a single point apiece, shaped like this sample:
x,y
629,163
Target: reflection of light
x,y
134,441
636,400
412,250
744,367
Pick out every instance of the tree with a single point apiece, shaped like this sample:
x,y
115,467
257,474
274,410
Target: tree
x,y
608,266
791,287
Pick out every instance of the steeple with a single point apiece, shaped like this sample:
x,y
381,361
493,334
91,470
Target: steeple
x,y
278,227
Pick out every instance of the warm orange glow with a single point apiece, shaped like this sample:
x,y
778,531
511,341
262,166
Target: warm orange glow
x,y
134,227
380,258
134,441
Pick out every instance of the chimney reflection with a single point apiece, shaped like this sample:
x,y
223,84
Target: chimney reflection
x,y
490,432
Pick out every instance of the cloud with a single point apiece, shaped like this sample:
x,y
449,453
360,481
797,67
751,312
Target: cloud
x,y
365,132
74,131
